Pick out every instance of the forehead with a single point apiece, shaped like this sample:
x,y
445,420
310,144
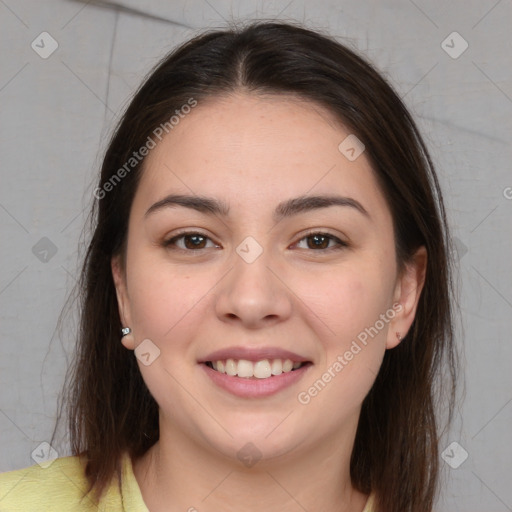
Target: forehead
x,y
251,150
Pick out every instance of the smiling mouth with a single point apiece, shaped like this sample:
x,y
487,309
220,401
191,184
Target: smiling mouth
x,y
263,369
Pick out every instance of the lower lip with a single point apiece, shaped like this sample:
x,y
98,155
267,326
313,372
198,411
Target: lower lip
x,y
253,387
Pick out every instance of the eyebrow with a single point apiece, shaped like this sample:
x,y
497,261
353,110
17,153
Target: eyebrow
x,y
288,208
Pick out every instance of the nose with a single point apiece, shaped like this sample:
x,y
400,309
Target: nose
x,y
253,295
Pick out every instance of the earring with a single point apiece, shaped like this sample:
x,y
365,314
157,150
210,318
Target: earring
x,y
127,338
399,336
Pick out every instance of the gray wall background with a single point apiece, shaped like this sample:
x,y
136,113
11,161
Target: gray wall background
x,y
56,115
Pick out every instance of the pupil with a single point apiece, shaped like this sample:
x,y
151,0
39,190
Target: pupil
x,y
321,239
196,241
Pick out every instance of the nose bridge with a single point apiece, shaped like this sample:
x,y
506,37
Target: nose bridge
x,y
251,293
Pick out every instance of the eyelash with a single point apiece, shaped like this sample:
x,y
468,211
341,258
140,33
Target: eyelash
x,y
172,241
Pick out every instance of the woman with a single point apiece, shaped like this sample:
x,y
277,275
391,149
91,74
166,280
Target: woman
x,y
266,295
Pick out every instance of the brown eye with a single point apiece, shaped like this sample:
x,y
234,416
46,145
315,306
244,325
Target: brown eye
x,y
189,242
194,241
322,241
318,242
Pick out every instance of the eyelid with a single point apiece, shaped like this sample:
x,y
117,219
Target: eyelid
x,y
167,242
340,243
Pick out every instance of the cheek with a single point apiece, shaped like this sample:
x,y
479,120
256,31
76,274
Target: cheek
x,y
348,301
167,307
163,298
353,304
350,306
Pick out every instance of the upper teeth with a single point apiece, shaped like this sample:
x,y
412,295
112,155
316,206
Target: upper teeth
x,y
259,369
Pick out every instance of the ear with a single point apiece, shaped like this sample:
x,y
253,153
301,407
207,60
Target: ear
x,y
407,293
123,300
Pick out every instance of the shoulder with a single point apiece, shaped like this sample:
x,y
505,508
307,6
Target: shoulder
x,y
370,504
61,486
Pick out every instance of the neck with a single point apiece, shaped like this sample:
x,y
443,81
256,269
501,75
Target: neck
x,y
177,474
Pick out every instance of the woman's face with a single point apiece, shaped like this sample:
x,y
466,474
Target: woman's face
x,y
278,275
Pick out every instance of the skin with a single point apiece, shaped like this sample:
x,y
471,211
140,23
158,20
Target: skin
x,y
254,152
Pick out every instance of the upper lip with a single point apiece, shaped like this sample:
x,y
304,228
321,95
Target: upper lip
x,y
253,354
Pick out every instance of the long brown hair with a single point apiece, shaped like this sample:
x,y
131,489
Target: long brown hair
x,y
110,409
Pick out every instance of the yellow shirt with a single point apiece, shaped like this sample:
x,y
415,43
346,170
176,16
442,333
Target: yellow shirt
x,y
61,486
